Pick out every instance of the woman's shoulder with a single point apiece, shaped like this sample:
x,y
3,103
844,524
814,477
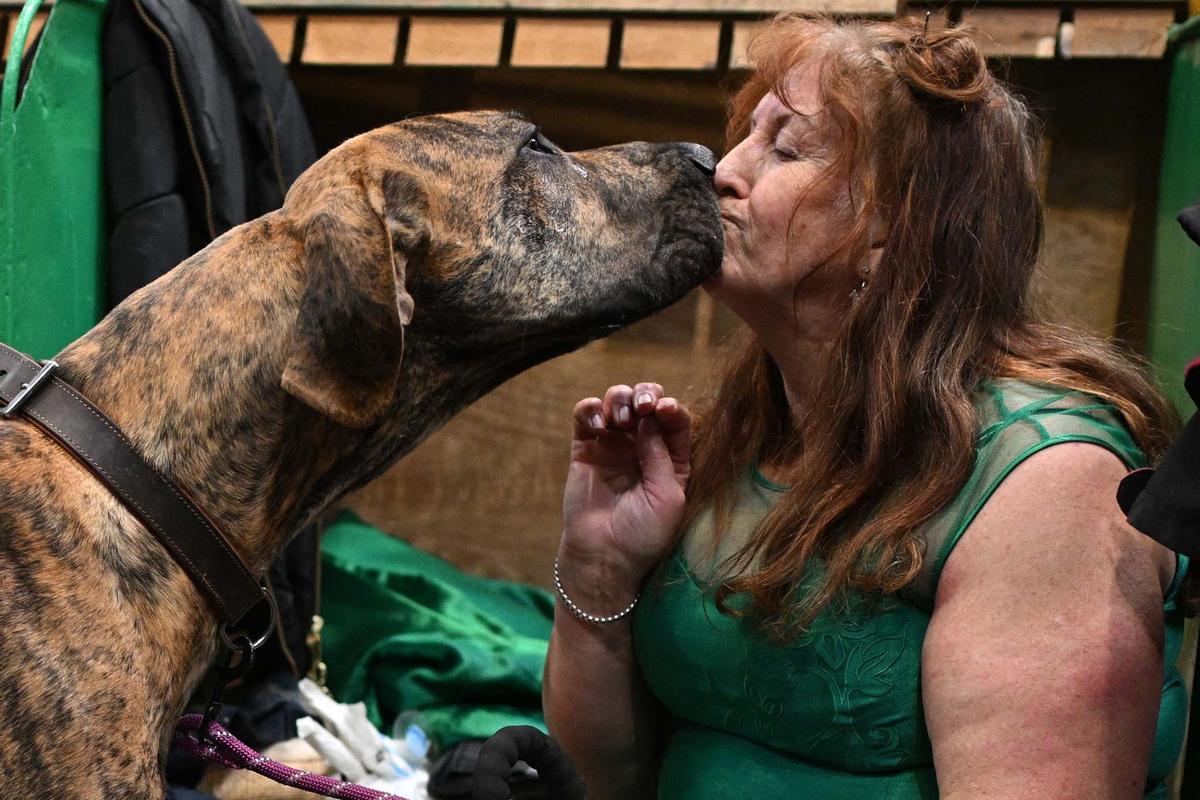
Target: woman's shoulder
x,y
1018,422
1056,506
1018,418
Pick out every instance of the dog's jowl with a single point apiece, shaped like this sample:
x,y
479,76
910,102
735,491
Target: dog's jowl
x,y
410,270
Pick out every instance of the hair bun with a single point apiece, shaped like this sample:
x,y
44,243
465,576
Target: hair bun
x,y
944,66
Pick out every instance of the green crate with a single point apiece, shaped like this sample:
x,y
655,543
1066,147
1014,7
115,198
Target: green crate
x,y
1173,335
51,181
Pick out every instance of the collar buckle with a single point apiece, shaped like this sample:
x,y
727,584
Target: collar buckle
x,y
29,389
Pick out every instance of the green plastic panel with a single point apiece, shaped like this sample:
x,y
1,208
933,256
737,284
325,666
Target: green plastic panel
x,y
51,181
1173,338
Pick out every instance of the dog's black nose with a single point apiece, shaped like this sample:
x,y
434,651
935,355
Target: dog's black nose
x,y
702,157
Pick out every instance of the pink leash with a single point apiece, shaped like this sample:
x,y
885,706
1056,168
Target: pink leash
x,y
229,751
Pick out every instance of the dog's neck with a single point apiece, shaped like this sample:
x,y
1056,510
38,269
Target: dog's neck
x,y
189,367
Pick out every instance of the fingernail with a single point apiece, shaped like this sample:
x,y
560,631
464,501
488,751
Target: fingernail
x,y
597,422
623,414
668,404
644,399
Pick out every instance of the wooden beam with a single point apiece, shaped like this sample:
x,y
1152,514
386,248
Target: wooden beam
x,y
872,7
368,39
1010,31
559,42
454,41
743,35
281,30
1118,33
670,44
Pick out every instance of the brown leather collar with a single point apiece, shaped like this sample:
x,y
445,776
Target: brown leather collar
x,y
31,391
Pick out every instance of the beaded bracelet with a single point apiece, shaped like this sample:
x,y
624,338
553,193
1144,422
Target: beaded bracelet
x,y
583,615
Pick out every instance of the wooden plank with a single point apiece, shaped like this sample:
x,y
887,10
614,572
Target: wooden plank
x,y
550,42
281,30
1012,31
1119,33
722,7
454,41
1083,261
35,27
670,44
351,39
485,492
743,35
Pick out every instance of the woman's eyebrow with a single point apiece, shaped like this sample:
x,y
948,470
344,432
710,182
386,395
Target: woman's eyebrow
x,y
799,125
775,121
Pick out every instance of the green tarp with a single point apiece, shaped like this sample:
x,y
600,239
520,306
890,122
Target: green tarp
x,y
405,631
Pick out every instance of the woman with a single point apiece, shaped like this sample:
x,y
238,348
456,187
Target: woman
x,y
899,570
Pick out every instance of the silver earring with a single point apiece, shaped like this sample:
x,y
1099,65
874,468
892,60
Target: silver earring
x,y
862,284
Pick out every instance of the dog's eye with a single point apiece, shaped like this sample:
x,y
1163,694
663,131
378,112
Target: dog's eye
x,y
540,144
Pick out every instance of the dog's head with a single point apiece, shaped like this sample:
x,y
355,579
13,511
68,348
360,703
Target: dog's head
x,y
474,231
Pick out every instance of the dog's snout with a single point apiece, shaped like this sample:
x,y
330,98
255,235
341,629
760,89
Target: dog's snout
x,y
702,157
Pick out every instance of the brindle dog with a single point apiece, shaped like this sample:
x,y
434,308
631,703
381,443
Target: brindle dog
x,y
410,270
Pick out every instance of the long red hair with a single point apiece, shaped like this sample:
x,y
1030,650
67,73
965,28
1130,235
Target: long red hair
x,y
936,146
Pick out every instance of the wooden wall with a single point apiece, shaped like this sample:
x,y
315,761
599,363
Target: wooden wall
x,y
485,491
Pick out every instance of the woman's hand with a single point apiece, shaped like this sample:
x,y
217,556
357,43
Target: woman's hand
x,y
625,488
623,502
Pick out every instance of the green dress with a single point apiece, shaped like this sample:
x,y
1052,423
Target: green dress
x,y
836,714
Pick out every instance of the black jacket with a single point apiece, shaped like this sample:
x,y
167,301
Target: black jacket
x,y
203,131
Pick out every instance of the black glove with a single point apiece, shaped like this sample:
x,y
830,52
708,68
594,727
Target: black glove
x,y
523,743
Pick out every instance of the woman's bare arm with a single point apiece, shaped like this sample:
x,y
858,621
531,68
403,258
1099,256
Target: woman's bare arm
x,y
1042,666
596,704
622,502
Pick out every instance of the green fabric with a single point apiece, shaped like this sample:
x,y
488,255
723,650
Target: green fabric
x,y
406,631
1022,420
51,181
837,712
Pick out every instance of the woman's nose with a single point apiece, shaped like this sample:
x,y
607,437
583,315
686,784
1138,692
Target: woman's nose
x,y
729,179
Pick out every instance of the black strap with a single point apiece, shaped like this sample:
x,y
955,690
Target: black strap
x,y
83,430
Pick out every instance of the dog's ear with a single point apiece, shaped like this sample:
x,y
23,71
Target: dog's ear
x,y
347,344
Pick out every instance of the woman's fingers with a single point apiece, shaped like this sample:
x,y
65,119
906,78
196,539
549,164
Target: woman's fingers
x,y
645,397
589,418
661,475
624,404
675,422
622,407
618,406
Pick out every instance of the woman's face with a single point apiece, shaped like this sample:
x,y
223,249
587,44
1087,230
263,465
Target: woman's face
x,y
782,211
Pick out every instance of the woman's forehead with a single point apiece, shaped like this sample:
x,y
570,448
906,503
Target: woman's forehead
x,y
803,92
